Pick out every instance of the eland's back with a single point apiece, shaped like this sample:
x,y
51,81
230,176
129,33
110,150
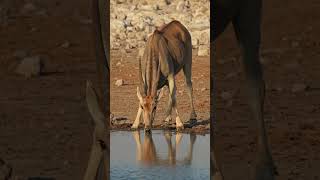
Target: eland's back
x,y
172,42
168,50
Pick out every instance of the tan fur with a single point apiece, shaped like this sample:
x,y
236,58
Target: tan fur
x,y
168,50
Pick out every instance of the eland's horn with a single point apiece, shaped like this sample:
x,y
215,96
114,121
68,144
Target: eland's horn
x,y
141,84
156,80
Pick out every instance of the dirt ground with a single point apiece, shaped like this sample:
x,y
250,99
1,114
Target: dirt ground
x,y
46,128
124,101
290,53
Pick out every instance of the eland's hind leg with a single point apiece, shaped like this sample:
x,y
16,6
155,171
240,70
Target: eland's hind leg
x,y
247,27
168,110
172,102
187,70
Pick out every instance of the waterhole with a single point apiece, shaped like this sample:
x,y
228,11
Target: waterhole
x,y
160,154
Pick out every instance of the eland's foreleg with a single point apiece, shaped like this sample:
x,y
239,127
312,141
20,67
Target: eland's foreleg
x,y
136,122
247,28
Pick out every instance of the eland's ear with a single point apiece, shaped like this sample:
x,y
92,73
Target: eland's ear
x,y
139,94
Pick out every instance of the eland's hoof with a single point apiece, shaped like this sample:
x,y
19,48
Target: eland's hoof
x,y
147,131
134,127
180,128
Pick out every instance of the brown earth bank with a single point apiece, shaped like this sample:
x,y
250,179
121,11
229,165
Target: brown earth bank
x,y
46,129
290,56
124,101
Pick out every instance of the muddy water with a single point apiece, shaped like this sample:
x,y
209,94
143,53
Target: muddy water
x,y
159,155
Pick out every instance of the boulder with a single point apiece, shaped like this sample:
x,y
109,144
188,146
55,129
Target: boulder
x,y
203,50
132,21
119,82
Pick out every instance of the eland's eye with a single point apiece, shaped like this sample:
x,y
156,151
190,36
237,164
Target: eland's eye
x,y
141,106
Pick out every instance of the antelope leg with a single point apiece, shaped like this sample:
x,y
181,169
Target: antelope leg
x,y
168,111
187,70
171,151
173,102
137,120
247,28
189,156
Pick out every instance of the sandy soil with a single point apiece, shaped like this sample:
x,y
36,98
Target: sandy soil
x,y
45,126
124,101
291,53
46,129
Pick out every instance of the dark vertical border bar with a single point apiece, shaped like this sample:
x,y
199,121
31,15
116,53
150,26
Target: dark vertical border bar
x,y
215,172
212,92
101,34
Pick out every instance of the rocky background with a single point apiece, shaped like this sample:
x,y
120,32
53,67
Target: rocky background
x,y
133,20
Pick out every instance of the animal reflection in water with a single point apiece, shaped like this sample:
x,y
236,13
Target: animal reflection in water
x,y
147,153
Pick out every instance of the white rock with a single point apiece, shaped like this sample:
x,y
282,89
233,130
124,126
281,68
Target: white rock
x,y
204,37
119,82
195,42
140,53
132,43
159,22
203,89
133,20
181,6
146,7
141,26
141,36
203,51
131,35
